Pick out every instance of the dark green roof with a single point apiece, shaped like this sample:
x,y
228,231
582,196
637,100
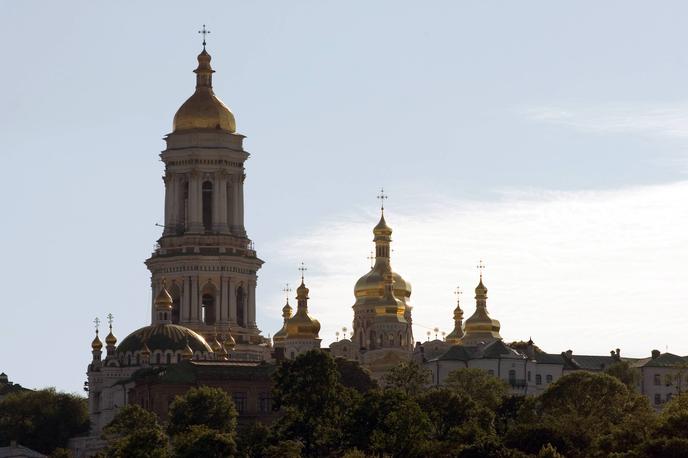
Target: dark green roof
x,y
163,337
663,360
195,372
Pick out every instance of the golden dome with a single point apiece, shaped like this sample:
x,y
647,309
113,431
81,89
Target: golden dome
x,y
163,301
302,325
96,345
145,350
110,339
382,228
203,110
187,352
282,333
229,341
163,337
480,326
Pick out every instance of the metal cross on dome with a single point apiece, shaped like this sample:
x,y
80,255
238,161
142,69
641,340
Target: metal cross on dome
x,y
97,323
382,197
371,258
110,319
458,293
204,32
302,269
286,290
480,267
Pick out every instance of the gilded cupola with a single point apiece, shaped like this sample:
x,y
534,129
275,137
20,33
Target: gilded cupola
x,y
372,283
203,110
286,315
302,325
480,327
163,305
455,336
96,345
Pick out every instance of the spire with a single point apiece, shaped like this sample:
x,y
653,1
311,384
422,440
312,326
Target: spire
x,y
204,32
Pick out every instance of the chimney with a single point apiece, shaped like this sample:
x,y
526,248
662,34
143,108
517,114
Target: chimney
x,y
569,354
655,354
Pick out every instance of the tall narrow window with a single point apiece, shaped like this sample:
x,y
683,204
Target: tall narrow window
x,y
208,206
185,208
176,302
208,297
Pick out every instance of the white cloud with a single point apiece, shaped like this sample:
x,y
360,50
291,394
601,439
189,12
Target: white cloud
x,y
590,271
665,121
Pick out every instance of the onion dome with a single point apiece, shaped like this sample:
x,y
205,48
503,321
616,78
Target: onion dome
x,y
203,110
372,283
286,314
96,345
455,336
163,301
480,327
110,339
145,350
163,337
302,325
216,345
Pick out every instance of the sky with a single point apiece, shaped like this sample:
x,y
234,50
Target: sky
x,y
549,139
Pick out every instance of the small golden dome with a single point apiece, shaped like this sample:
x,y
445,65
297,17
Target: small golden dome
x,y
302,325
187,352
145,350
216,345
163,301
286,314
110,339
382,228
96,345
203,110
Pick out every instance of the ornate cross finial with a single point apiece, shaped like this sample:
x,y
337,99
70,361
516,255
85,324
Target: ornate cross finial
x,y
344,330
458,293
287,290
204,32
97,323
480,267
371,258
302,269
110,319
382,197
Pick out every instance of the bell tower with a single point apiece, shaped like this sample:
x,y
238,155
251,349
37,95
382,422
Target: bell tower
x,y
204,255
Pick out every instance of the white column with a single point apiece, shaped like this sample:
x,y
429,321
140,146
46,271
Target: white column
x,y
240,222
174,217
232,302
194,299
236,217
224,300
251,306
185,312
169,204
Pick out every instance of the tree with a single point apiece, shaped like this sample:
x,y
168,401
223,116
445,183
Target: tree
x,y
42,420
485,389
135,433
204,406
252,440
352,375
408,377
389,422
622,370
595,412
313,402
200,440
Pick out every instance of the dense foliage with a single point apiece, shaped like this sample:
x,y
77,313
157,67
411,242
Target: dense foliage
x,y
42,420
332,408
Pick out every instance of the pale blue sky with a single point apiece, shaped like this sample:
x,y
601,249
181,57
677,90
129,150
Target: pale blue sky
x,y
471,114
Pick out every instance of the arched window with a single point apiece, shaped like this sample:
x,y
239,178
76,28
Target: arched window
x,y
373,342
158,358
240,300
176,302
207,191
391,339
208,303
168,358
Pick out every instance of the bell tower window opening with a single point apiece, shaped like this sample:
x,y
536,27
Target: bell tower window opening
x,y
207,192
208,302
240,300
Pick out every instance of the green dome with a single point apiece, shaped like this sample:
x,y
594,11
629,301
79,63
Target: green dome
x,y
163,337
